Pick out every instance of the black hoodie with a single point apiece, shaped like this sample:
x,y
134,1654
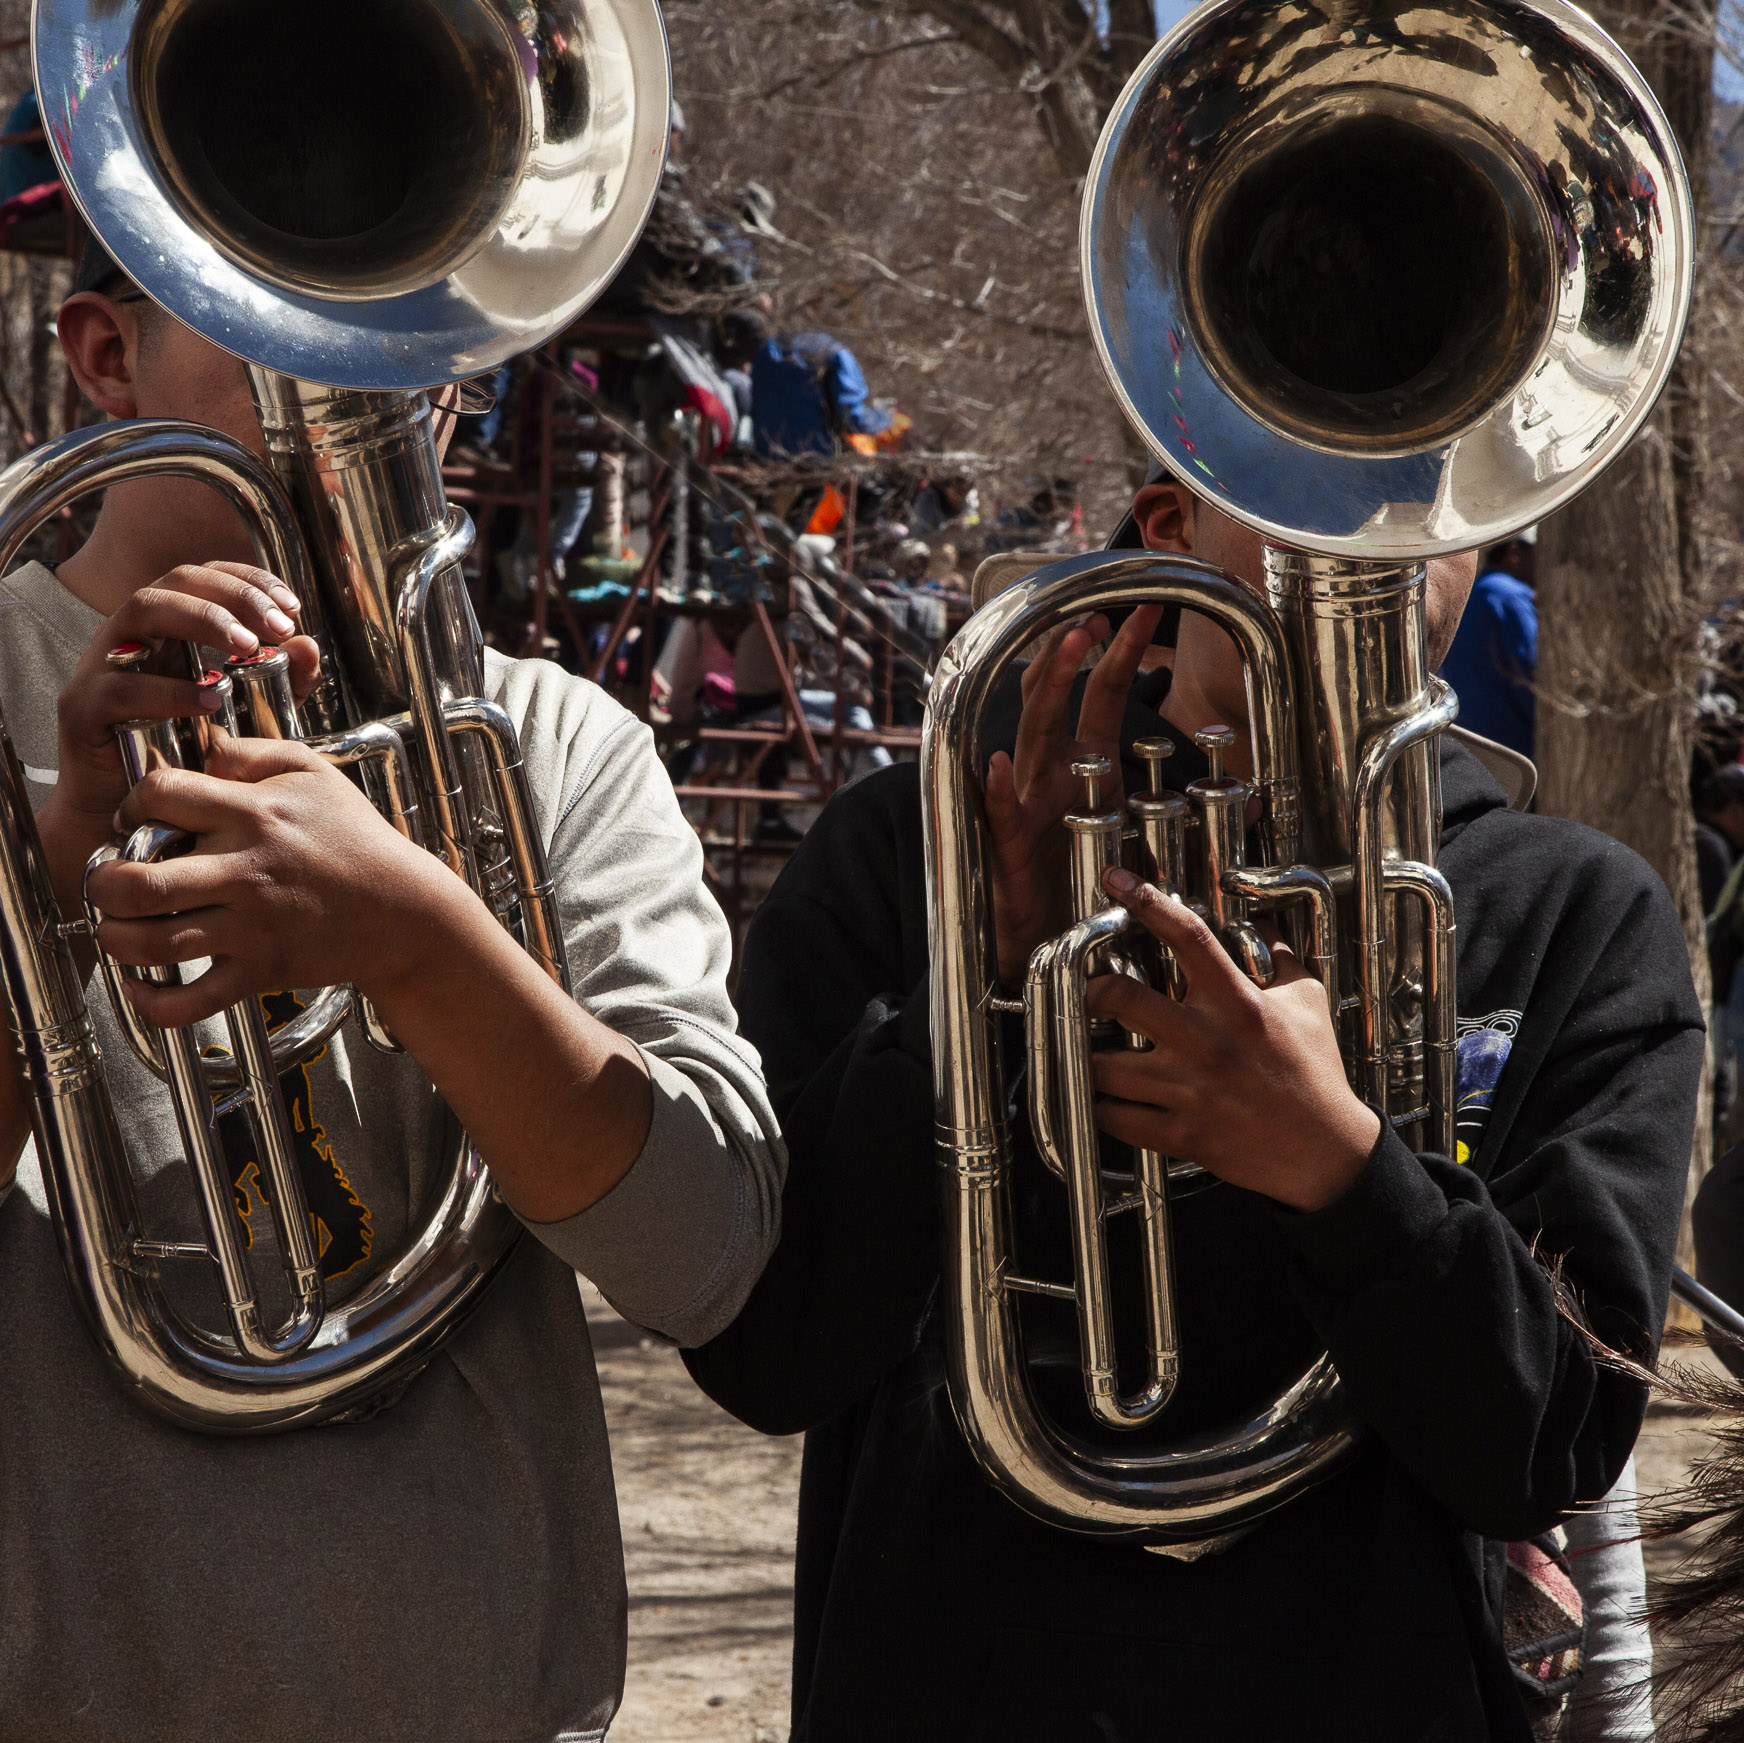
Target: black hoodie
x,y
930,1607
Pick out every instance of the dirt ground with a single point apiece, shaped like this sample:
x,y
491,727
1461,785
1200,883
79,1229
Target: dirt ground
x,y
707,1508
708,1515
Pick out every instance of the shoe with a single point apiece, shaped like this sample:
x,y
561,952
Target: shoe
x,y
779,831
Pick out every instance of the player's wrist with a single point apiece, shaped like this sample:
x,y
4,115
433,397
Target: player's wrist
x,y
422,923
1333,1162
70,835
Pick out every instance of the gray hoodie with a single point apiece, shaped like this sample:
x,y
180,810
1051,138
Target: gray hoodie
x,y
450,1568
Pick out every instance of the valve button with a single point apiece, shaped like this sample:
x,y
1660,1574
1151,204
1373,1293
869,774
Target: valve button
x,y
1153,753
1216,742
1092,771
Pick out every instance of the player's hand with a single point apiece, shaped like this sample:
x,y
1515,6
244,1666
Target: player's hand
x,y
1028,794
1246,1081
296,881
219,605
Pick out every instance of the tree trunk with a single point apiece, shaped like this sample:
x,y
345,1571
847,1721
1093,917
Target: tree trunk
x,y
1624,583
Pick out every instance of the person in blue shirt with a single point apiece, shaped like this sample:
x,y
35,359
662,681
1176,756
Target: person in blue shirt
x,y
28,164
1495,653
807,389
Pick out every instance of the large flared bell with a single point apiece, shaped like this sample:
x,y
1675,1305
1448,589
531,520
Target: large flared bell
x,y
1384,281
394,194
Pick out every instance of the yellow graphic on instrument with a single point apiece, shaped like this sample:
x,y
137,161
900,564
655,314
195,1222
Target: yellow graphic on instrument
x,y
343,1226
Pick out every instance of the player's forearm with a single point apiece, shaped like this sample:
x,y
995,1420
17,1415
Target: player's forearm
x,y
558,1104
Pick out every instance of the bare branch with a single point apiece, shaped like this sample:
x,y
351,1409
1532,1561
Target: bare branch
x,y
891,276
818,81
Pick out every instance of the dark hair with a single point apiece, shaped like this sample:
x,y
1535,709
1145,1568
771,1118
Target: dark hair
x,y
97,269
741,334
1722,788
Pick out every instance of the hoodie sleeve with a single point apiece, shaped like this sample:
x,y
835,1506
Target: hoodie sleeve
x,y
676,1245
833,992
1429,1280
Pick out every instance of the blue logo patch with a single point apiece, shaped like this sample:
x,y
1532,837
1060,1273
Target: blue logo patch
x,y
1484,1046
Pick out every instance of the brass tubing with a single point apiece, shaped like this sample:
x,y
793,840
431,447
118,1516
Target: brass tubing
x,y
1298,885
533,885
1160,1495
1380,756
1440,993
1069,975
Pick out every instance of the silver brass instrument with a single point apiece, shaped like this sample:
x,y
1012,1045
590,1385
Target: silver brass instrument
x,y
362,202
1381,284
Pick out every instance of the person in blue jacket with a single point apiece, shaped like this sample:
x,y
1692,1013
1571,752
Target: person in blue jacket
x,y
1495,654
807,389
28,163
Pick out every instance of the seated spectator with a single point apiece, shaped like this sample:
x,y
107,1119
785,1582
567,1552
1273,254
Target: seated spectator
x,y
1719,831
806,391
1049,520
911,562
945,505
739,336
1495,654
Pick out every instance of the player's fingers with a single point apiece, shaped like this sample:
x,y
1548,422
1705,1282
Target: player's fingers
x,y
178,799
262,581
1210,973
168,940
175,1007
203,604
1142,1009
1146,1128
258,759
305,656
123,890
1044,725
93,708
1105,692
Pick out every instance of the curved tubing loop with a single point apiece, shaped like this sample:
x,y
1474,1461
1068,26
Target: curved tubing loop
x,y
1285,886
38,485
1379,758
533,882
197,1120
380,1337
1045,1118
1440,993
379,749
424,566
436,716
1213,1484
1091,1207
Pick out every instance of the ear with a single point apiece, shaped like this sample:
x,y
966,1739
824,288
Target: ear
x,y
100,340
1164,513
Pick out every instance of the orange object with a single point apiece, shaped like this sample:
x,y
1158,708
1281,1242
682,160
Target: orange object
x,y
830,511
886,441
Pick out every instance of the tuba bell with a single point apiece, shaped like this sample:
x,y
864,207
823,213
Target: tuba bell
x,y
362,202
1380,283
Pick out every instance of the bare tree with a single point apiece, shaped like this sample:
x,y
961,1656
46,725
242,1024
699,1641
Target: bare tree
x,y
31,371
1627,573
1068,58
927,161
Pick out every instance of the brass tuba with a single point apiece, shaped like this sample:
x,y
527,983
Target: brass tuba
x,y
1381,282
362,202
